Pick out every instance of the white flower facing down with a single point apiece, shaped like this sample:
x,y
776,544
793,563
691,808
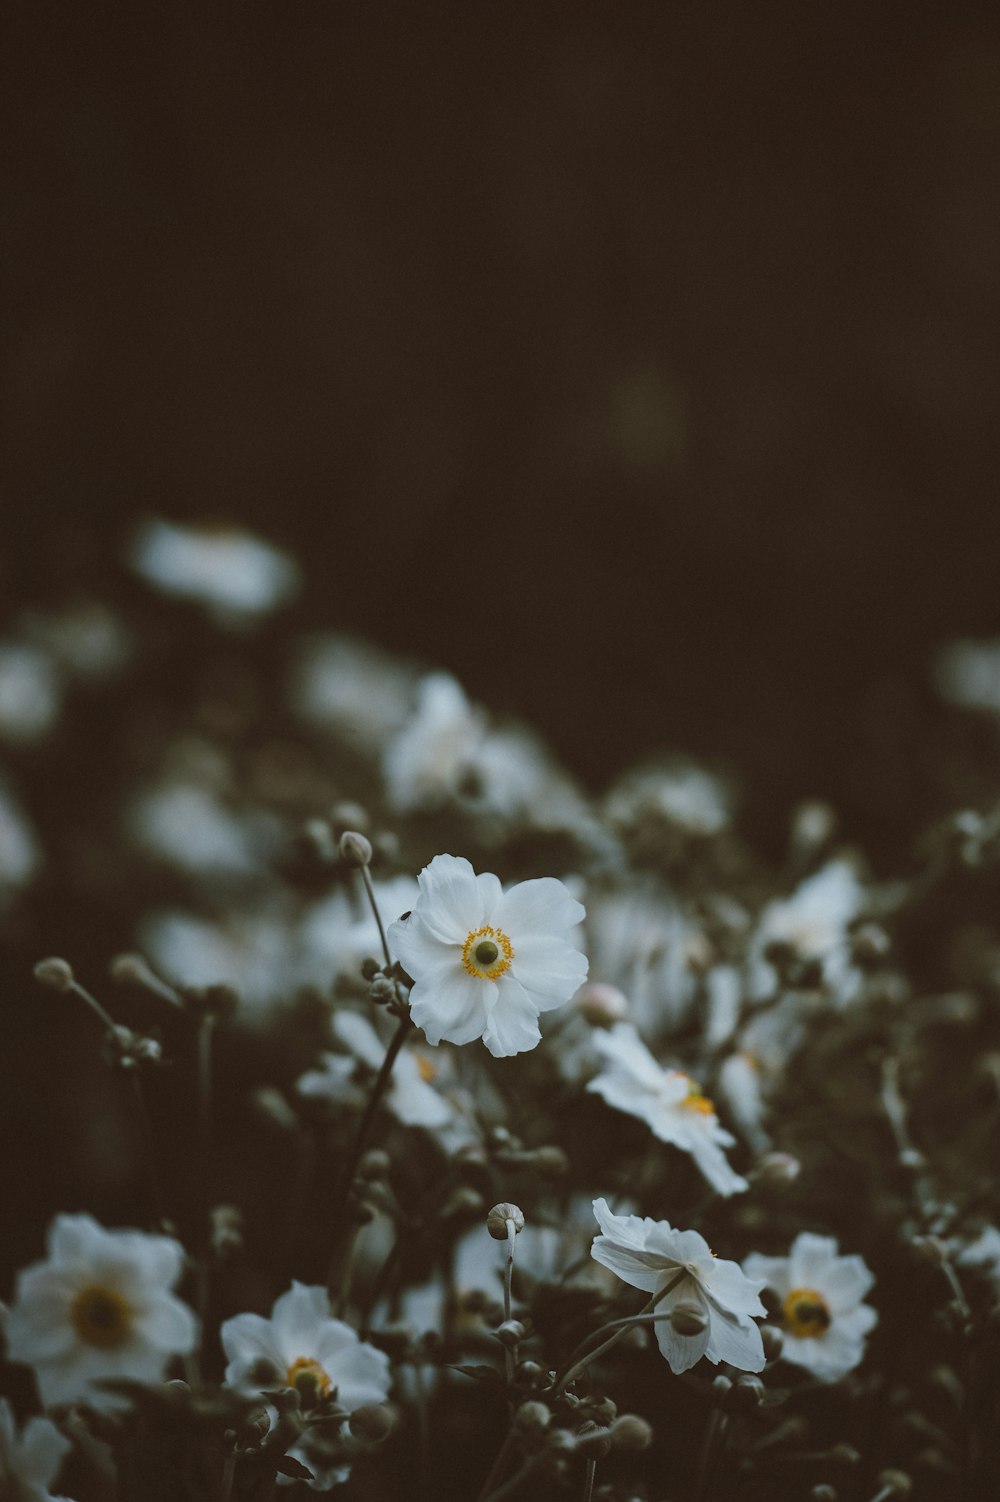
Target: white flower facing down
x,y
651,1254
825,1321
486,962
29,1462
667,1100
302,1347
100,1307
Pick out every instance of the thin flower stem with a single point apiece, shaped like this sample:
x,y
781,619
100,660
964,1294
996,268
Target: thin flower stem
x,y
508,1273
95,1006
370,892
712,1446
228,1476
512,1487
498,1467
588,1481
581,1356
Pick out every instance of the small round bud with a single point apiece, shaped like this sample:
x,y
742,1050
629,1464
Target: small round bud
x,y
721,1388
532,1418
777,1170
132,970
593,1440
529,1372
355,849
551,1162
773,1340
369,969
747,1392
371,1423
812,825
688,1318
375,1165
382,989
510,1333
561,1439
631,1433
897,1483
601,1005
56,974
496,1220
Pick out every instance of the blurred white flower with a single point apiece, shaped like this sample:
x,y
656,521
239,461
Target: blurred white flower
x,y
339,932
824,1319
812,923
982,1253
411,1095
29,1461
30,693
303,1347
486,962
86,640
424,765
347,687
967,673
649,1254
236,576
189,827
676,792
20,854
641,942
100,1307
750,1074
667,1100
251,950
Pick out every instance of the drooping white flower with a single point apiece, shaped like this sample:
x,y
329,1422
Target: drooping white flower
x,y
651,1255
821,1293
411,1095
101,1306
29,1461
486,962
303,1347
813,924
667,1100
234,575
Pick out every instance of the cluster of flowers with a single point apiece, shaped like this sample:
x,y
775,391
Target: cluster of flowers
x,y
725,1054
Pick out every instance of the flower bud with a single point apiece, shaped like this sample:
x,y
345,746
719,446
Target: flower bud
x,y
631,1433
688,1318
510,1333
773,1340
777,1170
529,1372
496,1220
371,1423
551,1162
593,1440
375,1164
355,849
721,1388
897,1483
824,1492
600,1004
932,1248
532,1418
747,1392
56,974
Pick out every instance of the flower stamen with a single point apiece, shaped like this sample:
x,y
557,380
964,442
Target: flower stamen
x,y
101,1317
487,953
309,1379
806,1312
697,1100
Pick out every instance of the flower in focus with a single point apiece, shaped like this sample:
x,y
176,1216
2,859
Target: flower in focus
x,y
824,1319
100,1307
411,1095
667,1100
651,1255
230,572
29,1463
486,962
302,1347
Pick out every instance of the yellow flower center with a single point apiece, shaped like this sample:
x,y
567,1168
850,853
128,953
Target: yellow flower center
x,y
101,1317
487,953
426,1067
695,1100
309,1379
806,1313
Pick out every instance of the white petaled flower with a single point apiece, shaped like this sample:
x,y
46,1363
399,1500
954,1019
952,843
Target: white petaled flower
x,y
813,924
424,764
411,1095
667,1100
486,962
29,1462
652,1255
302,1347
821,1293
100,1307
235,575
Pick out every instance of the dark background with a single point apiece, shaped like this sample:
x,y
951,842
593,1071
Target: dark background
x,y
637,364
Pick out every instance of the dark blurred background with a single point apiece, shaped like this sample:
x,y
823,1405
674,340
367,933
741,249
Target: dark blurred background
x,y
638,364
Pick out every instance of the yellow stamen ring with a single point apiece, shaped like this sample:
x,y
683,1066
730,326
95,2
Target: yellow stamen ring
x,y
806,1313
101,1318
308,1378
696,1100
487,953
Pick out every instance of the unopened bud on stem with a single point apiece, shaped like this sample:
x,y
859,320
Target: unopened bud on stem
x,y
496,1220
55,973
355,849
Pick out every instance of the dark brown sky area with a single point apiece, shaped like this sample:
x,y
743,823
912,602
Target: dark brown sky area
x,y
638,365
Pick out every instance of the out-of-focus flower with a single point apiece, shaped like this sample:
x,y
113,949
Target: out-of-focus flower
x,y
650,1254
486,962
189,827
967,673
750,1074
352,690
667,1100
20,855
30,693
101,1306
824,1319
29,1461
251,950
87,640
338,933
677,793
982,1253
424,764
812,925
411,1096
236,576
640,941
303,1347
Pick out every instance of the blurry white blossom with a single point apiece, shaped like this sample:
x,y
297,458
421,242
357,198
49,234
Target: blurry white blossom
x,y
821,1293
639,940
190,827
967,673
411,1095
101,1306
30,693
667,1100
20,853
250,950
677,793
425,763
650,1254
29,1461
981,1253
352,690
86,639
338,932
235,575
812,924
486,962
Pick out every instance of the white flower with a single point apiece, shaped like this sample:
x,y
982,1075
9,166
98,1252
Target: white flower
x,y
249,950
29,1463
30,693
301,1346
667,1100
813,923
88,642
339,932
640,941
352,690
425,763
486,962
189,827
233,574
825,1322
100,1307
411,1096
650,1255
678,792
20,855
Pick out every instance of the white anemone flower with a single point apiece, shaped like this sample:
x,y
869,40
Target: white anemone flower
x,y
813,924
486,962
235,575
424,765
411,1096
821,1293
29,1462
301,1346
652,1255
667,1100
100,1307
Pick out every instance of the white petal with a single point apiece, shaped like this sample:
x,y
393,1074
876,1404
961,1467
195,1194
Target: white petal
x,y
772,1270
809,1260
450,902
728,1284
418,949
248,1339
682,1351
42,1449
856,1322
492,895
542,906
712,1162
548,968
360,1374
74,1239
168,1324
846,1282
512,1022
452,1006
357,1034
735,1341
295,1317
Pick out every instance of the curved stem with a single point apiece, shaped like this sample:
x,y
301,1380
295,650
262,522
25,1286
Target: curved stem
x,y
581,1356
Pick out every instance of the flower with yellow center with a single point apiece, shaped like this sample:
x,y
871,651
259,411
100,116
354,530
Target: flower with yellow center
x,y
486,962
671,1104
821,1295
101,1307
309,1379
